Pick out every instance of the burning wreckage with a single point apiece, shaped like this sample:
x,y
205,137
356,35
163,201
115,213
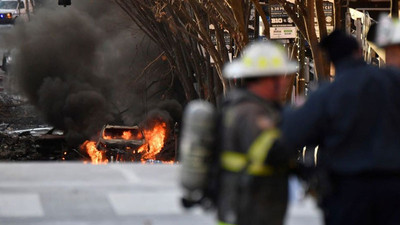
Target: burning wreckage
x,y
22,137
155,143
132,143
121,142
114,144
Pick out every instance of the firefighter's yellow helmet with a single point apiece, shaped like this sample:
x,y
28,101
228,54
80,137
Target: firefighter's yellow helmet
x,y
260,59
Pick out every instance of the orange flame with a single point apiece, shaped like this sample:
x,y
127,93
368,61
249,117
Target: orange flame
x,y
155,139
96,156
126,135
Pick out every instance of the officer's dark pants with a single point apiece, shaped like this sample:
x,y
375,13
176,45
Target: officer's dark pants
x,y
365,200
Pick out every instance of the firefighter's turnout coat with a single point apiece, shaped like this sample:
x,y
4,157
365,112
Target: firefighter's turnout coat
x,y
250,192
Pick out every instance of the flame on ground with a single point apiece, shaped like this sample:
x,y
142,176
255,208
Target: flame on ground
x,y
155,140
96,156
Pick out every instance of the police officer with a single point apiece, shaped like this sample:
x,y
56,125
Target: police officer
x,y
252,192
355,120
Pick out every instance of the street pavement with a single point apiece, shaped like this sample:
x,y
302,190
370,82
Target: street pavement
x,y
85,194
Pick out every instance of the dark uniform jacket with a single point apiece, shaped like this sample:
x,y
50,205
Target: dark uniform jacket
x,y
355,121
249,194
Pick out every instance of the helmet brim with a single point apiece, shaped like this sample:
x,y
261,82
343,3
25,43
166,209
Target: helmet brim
x,y
237,69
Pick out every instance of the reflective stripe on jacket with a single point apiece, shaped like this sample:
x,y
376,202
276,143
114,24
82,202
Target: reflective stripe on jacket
x,y
253,161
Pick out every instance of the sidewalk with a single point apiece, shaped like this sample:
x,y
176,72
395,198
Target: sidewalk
x,y
84,194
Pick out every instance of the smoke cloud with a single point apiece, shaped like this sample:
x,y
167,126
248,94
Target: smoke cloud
x,y
78,65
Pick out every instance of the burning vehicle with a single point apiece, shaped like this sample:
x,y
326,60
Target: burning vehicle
x,y
121,143
129,144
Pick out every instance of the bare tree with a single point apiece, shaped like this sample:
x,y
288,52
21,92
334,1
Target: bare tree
x,y
199,37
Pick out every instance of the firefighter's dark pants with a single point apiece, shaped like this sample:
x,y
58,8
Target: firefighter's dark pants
x,y
372,199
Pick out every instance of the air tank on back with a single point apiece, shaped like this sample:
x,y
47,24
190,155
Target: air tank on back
x,y
197,142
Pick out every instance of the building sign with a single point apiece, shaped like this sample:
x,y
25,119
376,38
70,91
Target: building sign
x,y
281,25
329,17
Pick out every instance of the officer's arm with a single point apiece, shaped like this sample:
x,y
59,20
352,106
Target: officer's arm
x,y
304,126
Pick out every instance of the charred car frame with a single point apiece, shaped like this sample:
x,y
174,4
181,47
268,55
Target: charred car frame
x,y
121,143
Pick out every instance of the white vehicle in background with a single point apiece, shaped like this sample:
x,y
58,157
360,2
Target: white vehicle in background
x,y
10,10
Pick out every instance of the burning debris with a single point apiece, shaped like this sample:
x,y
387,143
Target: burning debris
x,y
125,143
155,135
115,143
23,136
115,138
96,156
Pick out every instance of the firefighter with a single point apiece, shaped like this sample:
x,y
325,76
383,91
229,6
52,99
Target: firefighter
x,y
252,192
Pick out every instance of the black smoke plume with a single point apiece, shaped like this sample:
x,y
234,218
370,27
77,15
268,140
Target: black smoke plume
x,y
78,65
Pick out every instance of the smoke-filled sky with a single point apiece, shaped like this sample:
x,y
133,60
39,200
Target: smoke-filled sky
x,y
78,66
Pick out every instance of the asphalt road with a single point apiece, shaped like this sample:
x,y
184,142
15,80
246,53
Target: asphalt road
x,y
84,194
